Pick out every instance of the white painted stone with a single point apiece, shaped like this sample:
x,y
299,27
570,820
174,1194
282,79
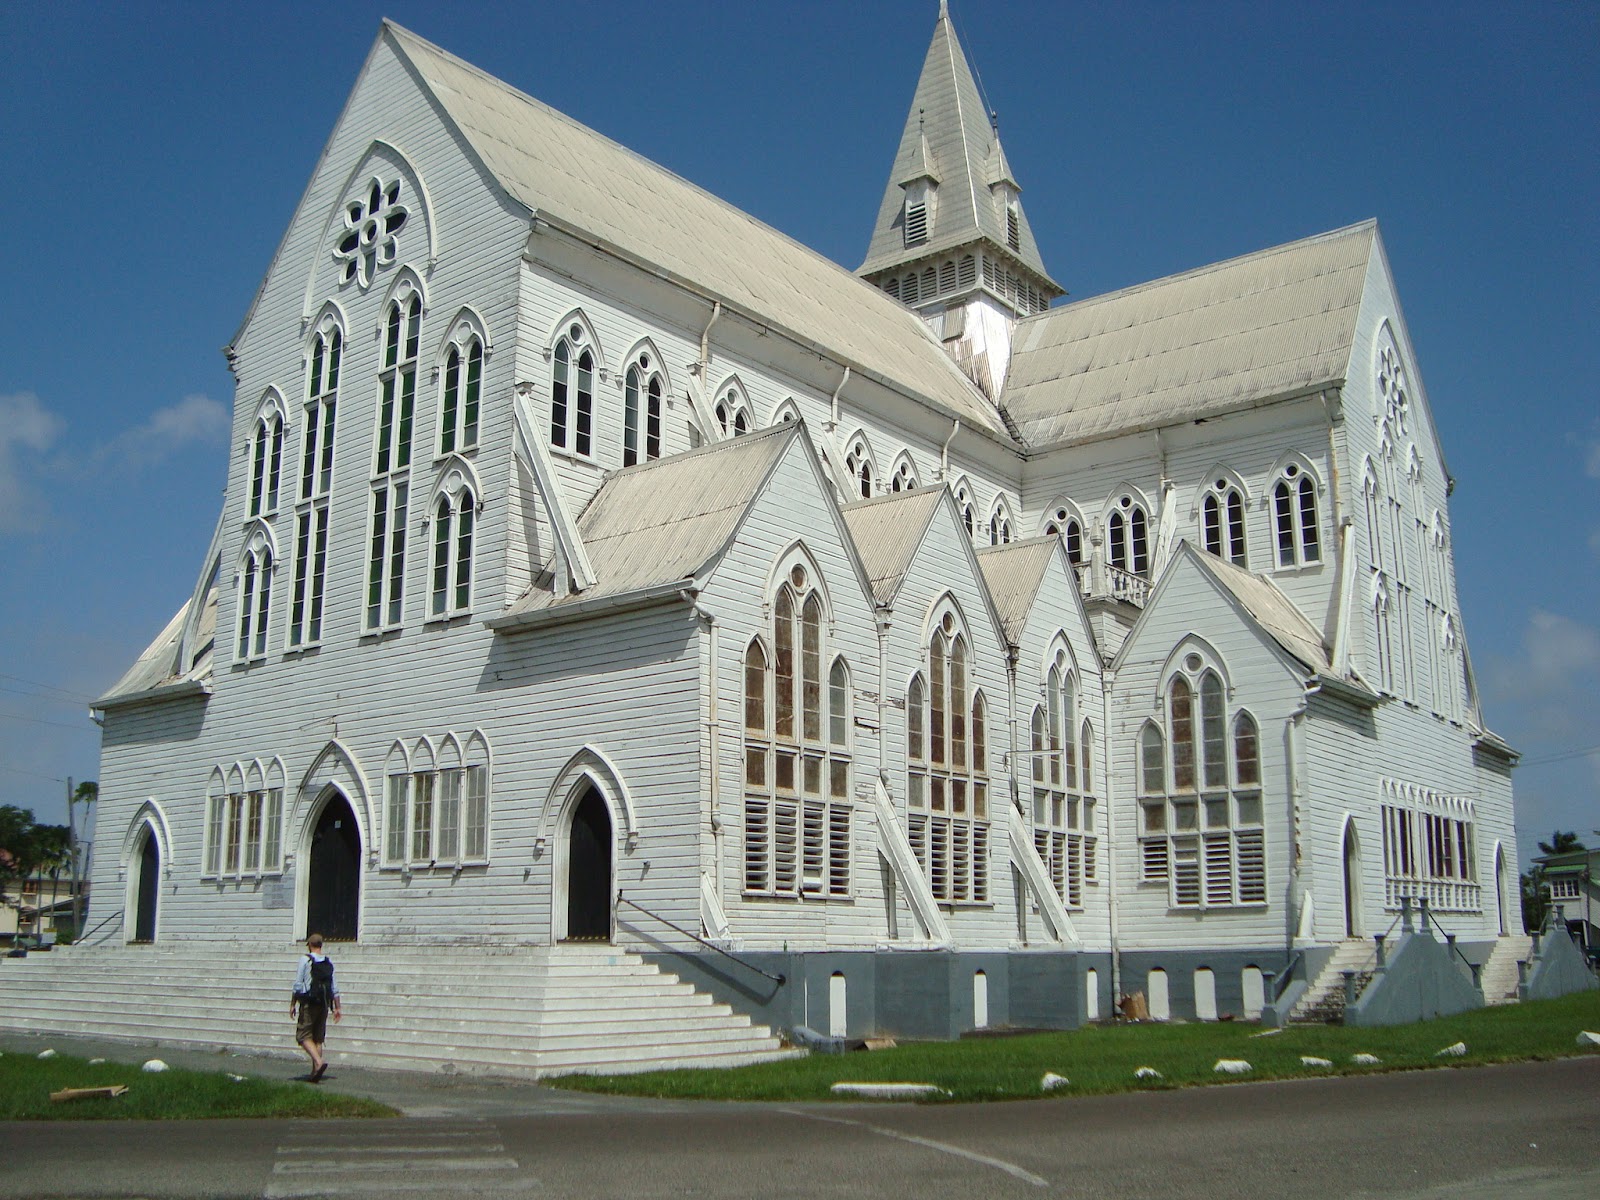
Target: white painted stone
x,y
1147,1073
154,1066
235,1078
1453,1051
1588,1039
1052,1081
46,1054
888,1091
1267,1033
1311,1060
95,1062
1232,1066
1365,1060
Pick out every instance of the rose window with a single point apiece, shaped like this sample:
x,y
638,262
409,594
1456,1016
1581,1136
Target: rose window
x,y
371,224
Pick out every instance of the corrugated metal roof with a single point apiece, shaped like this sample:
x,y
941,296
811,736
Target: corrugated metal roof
x,y
553,164
154,668
1013,574
1267,325
668,521
1272,610
948,130
887,531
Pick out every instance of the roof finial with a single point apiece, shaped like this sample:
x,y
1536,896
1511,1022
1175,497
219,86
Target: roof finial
x,y
944,10
994,121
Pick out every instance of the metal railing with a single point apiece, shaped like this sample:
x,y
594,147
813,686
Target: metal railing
x,y
80,941
1450,941
780,979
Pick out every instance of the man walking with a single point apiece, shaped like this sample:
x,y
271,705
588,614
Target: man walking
x,y
315,994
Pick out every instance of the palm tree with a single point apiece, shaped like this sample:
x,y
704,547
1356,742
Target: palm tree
x,y
1561,842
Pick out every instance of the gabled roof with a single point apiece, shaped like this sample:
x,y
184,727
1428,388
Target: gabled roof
x,y
575,177
948,124
887,531
1273,324
1269,608
1013,574
153,675
662,525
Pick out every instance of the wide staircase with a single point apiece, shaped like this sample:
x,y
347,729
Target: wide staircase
x,y
520,1011
1500,972
1323,1002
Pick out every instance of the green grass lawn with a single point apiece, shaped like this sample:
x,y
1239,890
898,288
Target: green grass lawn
x,y
1102,1059
26,1083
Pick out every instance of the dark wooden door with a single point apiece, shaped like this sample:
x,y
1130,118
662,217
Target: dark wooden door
x,y
333,891
144,921
589,871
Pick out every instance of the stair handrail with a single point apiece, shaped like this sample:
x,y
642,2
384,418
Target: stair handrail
x,y
1285,977
1449,940
780,978
84,940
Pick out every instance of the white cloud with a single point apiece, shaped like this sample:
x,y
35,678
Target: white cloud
x,y
27,430
194,420
1544,691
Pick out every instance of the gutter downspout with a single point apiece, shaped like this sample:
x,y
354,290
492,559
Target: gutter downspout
x,y
1339,653
1012,753
698,374
1106,680
713,774
1292,761
944,452
833,404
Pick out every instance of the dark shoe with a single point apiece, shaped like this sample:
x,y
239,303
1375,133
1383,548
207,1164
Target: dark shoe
x,y
316,1076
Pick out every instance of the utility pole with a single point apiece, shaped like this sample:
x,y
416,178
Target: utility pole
x,y
72,849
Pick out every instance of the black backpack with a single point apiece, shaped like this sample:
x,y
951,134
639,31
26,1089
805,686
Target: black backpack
x,y
320,990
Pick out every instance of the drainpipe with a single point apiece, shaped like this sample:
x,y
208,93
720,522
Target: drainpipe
x,y
1106,680
713,734
705,338
1011,759
833,407
1335,472
1292,757
944,452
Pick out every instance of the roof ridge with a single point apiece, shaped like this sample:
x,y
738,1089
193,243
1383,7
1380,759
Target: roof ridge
x,y
887,497
1370,223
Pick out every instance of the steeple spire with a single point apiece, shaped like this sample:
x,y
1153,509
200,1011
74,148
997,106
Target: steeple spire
x,y
952,193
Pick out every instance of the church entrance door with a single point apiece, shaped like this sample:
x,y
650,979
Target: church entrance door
x,y
589,871
333,888
1352,883
149,890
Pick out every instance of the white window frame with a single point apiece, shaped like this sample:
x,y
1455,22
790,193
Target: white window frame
x,y
572,408
436,804
460,390
244,821
734,414
644,393
1294,499
860,465
453,523
264,463
257,565
903,475
318,457
1222,508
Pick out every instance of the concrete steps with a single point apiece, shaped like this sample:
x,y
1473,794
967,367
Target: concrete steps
x,y
1500,972
524,1011
1323,1001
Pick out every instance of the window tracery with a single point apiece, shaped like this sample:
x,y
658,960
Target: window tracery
x,y
1128,535
454,516
1064,829
1296,525
461,390
572,392
391,469
859,465
642,393
1222,521
316,485
372,223
436,803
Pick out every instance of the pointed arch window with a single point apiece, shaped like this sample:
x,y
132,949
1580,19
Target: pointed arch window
x,y
436,803
797,809
947,777
964,506
455,510
858,463
572,392
316,484
642,392
391,470
1000,523
1222,523
244,821
1068,526
266,461
1128,532
255,598
1296,528
461,391
904,477
1064,804
1201,816
733,413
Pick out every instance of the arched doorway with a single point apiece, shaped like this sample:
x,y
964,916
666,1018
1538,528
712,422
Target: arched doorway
x,y
589,871
1353,924
333,873
1500,886
147,888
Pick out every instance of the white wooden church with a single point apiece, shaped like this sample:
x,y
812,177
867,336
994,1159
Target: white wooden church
x,y
897,651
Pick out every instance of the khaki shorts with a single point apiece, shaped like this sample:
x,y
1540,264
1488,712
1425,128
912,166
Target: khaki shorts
x,y
312,1023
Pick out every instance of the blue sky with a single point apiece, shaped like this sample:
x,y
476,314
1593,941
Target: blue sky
x,y
153,155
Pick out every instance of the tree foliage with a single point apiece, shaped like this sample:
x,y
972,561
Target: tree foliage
x,y
1561,842
28,848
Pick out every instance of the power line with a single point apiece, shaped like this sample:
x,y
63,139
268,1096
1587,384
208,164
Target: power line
x,y
35,774
1563,756
5,716
65,694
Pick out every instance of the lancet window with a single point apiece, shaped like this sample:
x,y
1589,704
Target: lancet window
x,y
454,517
1222,523
244,821
266,460
1295,525
460,394
641,412
1200,825
391,468
436,803
572,392
255,597
1128,532
316,484
1064,804
797,809
947,776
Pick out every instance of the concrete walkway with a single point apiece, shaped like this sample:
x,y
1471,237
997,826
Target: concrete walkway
x,y
414,1093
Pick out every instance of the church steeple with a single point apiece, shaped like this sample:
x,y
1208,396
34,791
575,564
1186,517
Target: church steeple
x,y
951,229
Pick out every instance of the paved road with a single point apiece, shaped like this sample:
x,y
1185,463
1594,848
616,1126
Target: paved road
x,y
1529,1131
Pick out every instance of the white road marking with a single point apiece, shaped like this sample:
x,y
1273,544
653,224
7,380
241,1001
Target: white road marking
x,y
466,1157
999,1164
